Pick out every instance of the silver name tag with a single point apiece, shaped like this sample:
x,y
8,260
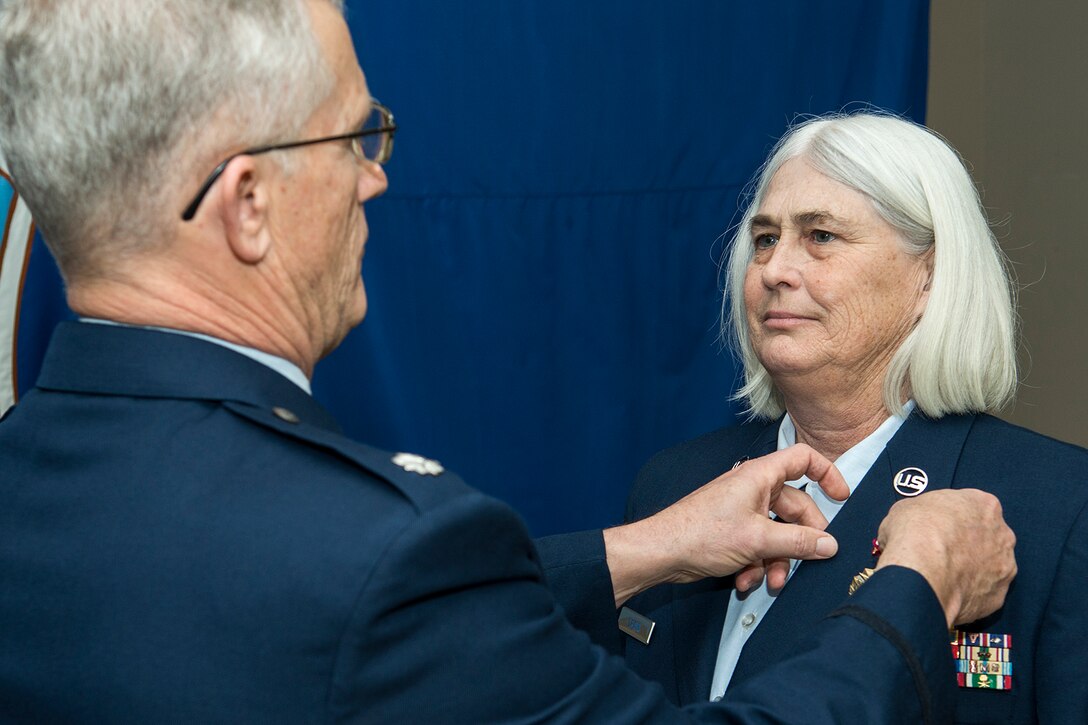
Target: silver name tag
x,y
636,625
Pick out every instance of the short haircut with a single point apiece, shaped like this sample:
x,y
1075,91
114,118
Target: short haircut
x,y
111,111
961,355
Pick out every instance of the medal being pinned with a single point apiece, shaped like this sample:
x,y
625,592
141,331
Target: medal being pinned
x,y
862,576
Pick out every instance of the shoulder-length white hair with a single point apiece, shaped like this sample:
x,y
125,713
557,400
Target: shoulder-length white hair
x,y
961,355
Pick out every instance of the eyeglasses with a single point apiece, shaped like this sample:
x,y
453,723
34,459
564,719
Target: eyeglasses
x,y
373,142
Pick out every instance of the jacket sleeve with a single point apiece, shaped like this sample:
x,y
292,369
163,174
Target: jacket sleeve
x,y
455,624
575,564
883,656
577,573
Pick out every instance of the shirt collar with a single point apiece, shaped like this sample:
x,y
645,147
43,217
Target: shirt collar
x,y
854,463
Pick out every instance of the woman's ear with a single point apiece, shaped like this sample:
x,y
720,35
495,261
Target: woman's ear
x,y
927,283
243,209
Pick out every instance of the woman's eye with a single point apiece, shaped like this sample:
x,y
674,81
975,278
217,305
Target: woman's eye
x,y
763,241
822,237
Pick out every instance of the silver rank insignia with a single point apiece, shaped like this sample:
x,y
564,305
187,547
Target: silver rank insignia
x,y
418,464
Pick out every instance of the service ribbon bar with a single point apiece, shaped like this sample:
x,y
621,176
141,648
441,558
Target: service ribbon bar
x,y
974,667
982,639
983,660
965,652
984,682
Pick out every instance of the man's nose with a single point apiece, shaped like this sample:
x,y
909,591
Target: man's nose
x,y
372,182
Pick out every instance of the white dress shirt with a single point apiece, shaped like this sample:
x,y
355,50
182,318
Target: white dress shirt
x,y
747,610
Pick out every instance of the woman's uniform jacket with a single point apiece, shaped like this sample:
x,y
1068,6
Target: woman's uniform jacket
x,y
1043,488
186,536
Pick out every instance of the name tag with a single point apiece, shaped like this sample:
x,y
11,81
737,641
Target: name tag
x,y
637,626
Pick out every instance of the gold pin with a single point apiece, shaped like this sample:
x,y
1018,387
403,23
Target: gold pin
x,y
860,578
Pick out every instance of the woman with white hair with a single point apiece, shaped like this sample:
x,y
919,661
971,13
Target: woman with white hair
x,y
870,305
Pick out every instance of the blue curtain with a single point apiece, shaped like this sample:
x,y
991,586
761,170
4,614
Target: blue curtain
x,y
543,272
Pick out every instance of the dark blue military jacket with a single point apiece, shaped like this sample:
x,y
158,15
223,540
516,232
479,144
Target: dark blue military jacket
x,y
185,536
1042,485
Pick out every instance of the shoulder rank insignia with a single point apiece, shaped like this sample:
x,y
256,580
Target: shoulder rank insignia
x,y
418,464
983,660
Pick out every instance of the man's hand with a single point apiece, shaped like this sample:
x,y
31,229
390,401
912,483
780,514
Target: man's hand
x,y
723,527
957,540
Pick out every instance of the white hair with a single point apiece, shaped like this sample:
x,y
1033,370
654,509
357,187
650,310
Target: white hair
x,y
961,355
110,110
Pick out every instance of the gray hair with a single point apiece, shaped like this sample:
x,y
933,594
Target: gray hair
x,y
112,110
961,355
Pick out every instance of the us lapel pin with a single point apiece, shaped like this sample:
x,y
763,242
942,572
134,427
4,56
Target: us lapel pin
x,y
634,624
910,481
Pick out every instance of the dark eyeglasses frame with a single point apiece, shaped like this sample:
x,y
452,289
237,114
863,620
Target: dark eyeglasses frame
x,y
384,152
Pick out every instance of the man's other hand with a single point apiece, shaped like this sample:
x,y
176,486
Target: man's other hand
x,y
938,533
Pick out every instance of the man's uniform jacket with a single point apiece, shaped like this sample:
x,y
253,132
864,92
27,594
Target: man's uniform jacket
x,y
1043,488
185,536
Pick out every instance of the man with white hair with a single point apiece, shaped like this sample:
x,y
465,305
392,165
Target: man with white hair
x,y
186,536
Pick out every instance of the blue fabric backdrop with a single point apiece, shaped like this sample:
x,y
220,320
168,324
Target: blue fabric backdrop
x,y
543,272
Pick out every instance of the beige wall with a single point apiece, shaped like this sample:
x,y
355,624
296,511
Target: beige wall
x,y
1008,86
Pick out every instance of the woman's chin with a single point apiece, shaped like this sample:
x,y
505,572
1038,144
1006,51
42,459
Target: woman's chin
x,y
784,357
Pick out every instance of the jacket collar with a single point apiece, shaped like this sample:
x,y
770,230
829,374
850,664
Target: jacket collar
x,y
142,363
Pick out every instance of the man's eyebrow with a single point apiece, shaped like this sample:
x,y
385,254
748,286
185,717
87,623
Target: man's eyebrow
x,y
360,120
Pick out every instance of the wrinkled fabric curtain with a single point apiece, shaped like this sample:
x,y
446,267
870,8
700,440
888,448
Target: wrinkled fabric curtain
x,y
543,272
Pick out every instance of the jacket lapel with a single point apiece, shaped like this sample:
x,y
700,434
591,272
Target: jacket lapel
x,y
699,609
817,587
699,614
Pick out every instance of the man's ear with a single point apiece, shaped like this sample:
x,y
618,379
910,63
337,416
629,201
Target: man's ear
x,y
243,207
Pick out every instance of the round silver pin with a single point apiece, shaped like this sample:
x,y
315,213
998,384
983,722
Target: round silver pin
x,y
910,481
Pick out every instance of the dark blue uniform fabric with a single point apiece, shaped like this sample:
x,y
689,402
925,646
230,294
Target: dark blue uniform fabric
x,y
173,549
1043,488
543,270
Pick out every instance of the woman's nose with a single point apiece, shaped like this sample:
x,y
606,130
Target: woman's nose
x,y
783,262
